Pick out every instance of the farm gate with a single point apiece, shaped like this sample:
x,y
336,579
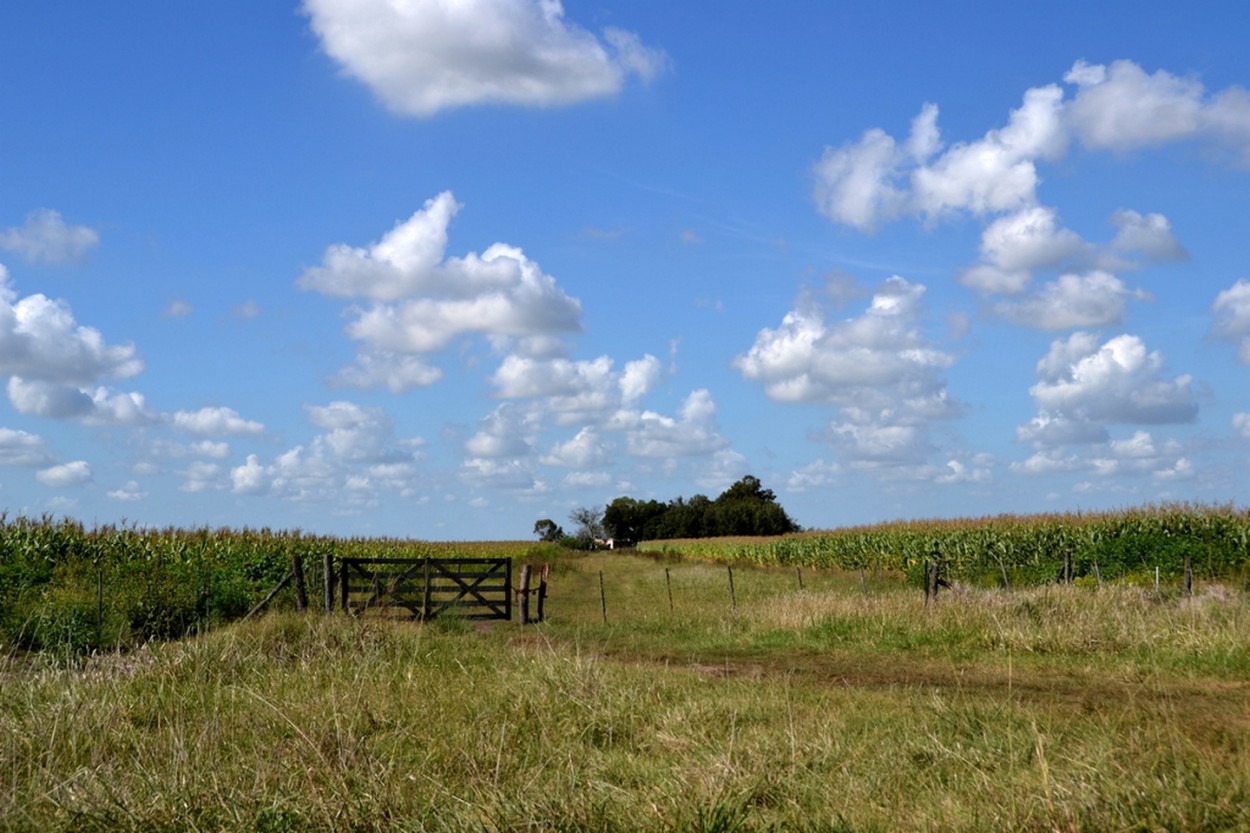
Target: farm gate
x,y
479,588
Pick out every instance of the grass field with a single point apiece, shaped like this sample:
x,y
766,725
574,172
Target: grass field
x,y
848,706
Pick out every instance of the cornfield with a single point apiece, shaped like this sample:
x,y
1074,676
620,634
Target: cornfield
x,y
1026,549
66,588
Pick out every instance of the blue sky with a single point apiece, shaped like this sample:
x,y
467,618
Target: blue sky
x,y
439,269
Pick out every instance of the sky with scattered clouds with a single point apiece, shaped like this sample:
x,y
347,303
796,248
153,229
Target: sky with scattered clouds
x,y
441,268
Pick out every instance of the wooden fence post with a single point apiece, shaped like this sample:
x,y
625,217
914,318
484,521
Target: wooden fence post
x,y
733,596
668,582
523,594
603,599
301,592
543,574
343,585
798,571
1189,575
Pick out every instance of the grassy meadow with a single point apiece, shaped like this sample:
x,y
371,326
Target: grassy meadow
x,y
849,705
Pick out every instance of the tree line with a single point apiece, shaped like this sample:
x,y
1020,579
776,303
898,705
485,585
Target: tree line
x,y
745,508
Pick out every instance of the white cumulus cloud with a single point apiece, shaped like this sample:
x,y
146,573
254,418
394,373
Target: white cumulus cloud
x,y
1232,317
214,422
1116,382
423,57
66,474
1121,107
419,300
41,340
1090,300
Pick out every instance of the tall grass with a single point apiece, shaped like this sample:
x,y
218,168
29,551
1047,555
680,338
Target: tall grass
x,y
826,709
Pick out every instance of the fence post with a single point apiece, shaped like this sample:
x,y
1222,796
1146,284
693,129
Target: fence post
x,y
523,595
1189,575
798,571
863,582
542,590
733,596
301,592
603,599
343,583
327,581
668,582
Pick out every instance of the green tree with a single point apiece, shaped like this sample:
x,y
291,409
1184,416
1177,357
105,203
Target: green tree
x,y
548,530
747,508
632,520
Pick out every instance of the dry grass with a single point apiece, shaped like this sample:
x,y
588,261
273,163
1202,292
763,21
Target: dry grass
x,y
823,710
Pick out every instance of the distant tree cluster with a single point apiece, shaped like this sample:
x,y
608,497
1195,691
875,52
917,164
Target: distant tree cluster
x,y
745,508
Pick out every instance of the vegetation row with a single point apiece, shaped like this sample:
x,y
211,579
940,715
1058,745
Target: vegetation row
x,y
66,588
70,589
1135,545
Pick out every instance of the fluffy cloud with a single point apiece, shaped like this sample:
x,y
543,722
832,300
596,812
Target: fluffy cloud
x,y
997,172
396,373
1014,245
876,179
66,474
1091,300
129,493
1142,240
1116,382
420,58
880,370
649,434
584,451
47,239
507,432
420,300
40,340
576,391
1121,107
856,184
1232,317
214,422
356,453
878,360
1131,458
21,448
